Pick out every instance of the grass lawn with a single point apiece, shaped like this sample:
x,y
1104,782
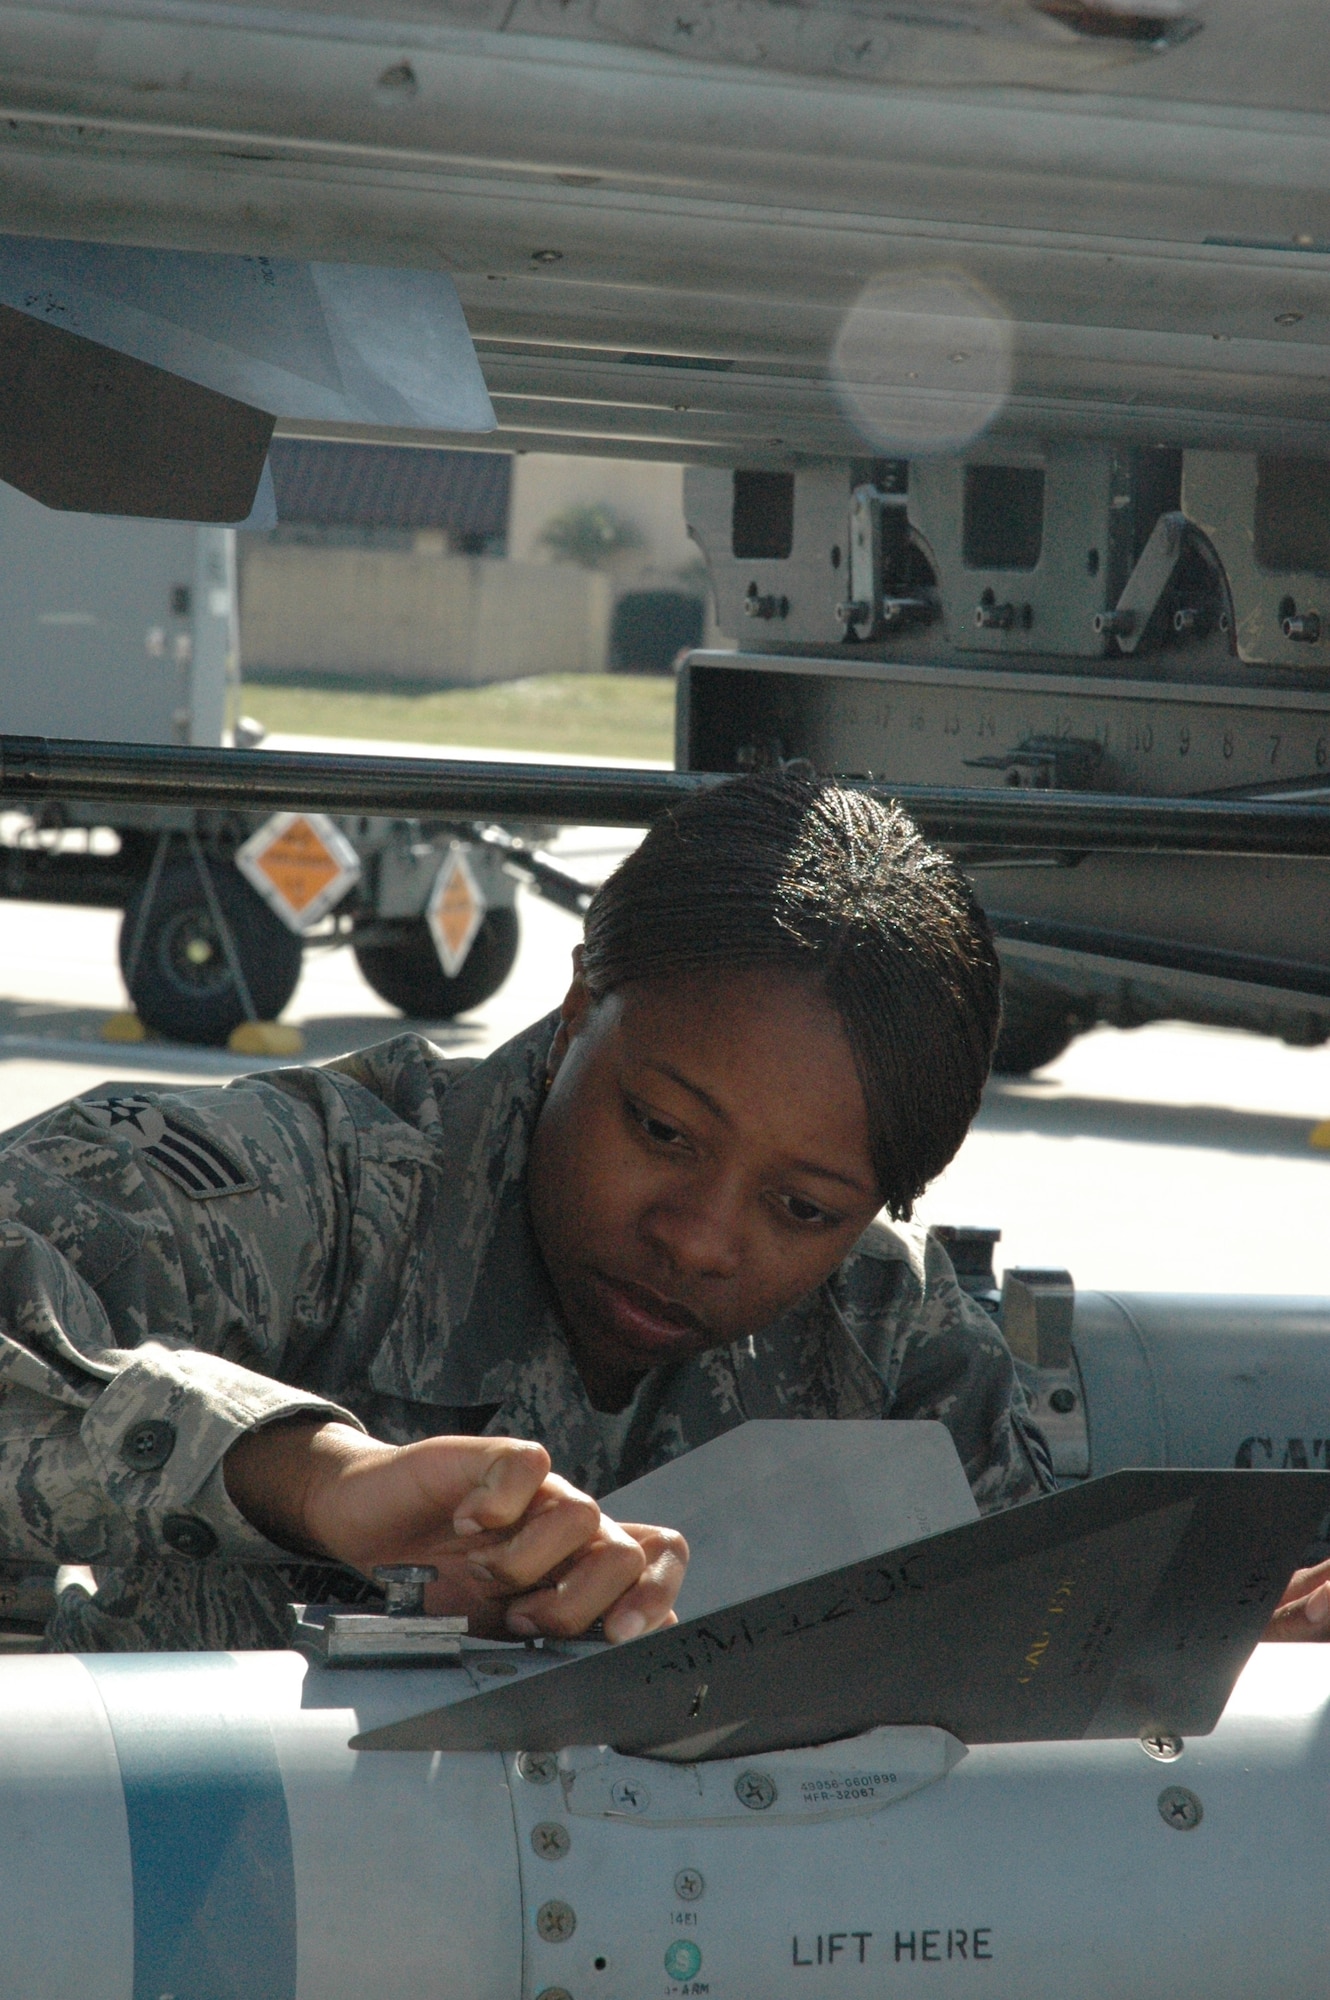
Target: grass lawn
x,y
582,715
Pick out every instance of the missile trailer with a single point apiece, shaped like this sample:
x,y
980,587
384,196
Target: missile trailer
x,y
128,629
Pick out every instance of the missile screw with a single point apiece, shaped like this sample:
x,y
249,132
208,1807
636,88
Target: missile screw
x,y
1180,1809
755,1790
630,1796
556,1922
538,1767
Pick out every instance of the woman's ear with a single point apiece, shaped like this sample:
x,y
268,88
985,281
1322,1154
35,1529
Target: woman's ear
x,y
577,1004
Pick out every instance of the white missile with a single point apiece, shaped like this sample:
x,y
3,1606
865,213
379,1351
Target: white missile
x,y
1053,1809
196,1826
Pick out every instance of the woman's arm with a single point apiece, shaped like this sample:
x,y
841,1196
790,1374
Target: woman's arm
x,y
155,1257
518,1550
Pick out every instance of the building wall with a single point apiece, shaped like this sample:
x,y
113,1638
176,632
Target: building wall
x,y
417,615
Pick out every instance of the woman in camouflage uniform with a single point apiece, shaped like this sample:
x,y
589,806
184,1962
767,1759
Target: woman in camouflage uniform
x,y
357,1313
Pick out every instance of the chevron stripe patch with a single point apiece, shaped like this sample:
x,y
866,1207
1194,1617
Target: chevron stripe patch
x,y
185,1155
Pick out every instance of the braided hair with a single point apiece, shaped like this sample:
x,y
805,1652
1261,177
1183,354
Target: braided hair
x,y
798,873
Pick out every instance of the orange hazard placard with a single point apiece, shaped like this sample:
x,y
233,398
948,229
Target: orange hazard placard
x,y
455,911
301,864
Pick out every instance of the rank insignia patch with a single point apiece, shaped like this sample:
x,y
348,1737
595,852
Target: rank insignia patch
x,y
185,1155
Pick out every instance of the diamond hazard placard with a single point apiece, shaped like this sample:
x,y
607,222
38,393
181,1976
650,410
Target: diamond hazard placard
x,y
301,864
455,911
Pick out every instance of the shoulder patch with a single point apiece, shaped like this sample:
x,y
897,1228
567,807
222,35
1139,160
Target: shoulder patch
x,y
185,1155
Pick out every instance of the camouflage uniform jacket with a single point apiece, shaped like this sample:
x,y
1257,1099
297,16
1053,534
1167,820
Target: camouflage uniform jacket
x,y
177,1267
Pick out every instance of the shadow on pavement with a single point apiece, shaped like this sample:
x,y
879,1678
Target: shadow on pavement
x,y
1217,1129
41,1030
28,1018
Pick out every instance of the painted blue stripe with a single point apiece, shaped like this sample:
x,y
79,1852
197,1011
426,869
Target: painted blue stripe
x,y
209,1835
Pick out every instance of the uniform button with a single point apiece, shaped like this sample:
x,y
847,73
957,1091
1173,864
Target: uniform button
x,y
147,1445
188,1536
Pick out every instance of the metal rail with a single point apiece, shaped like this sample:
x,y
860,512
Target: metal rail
x,y
33,768
152,774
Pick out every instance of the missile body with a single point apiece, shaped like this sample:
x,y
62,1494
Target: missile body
x,y
196,1826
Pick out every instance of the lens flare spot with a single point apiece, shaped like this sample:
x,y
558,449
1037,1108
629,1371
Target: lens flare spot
x,y
923,361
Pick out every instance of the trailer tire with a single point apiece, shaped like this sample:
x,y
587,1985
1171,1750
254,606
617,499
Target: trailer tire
x,y
182,984
407,974
1038,1023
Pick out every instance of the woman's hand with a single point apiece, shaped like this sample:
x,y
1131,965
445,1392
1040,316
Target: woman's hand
x,y
1303,1612
518,1550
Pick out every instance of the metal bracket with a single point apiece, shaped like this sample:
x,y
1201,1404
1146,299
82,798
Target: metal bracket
x,y
1055,763
1037,1313
370,1639
867,612
1037,1310
521,861
1141,594
400,1635
860,613
765,604
832,1781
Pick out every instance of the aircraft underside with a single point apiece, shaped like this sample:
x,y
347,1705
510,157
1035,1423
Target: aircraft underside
x,y
658,219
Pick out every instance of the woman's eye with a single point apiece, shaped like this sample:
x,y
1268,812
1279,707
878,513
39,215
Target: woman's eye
x,y
656,1129
802,1210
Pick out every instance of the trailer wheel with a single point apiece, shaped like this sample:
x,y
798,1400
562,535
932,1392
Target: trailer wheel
x,y
407,974
182,984
1038,1023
